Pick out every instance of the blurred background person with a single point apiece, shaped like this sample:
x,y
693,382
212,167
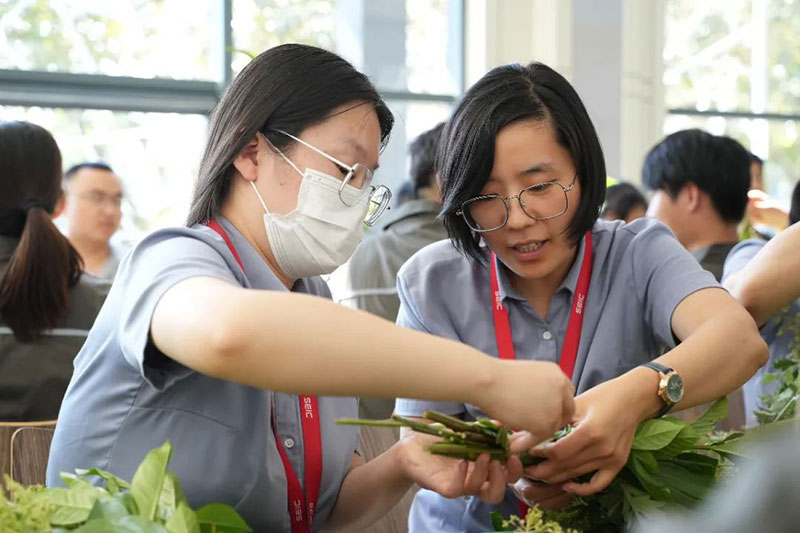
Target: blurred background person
x,y
763,277
94,211
46,305
624,202
367,281
700,183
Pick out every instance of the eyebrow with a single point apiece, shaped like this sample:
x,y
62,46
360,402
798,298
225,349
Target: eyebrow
x,y
360,150
538,168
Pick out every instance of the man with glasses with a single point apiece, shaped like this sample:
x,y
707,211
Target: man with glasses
x,y
93,209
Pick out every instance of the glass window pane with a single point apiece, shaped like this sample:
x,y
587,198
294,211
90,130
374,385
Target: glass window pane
x,y
707,55
155,154
783,57
783,158
431,40
262,24
138,38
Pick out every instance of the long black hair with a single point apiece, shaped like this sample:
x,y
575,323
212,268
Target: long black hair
x,y
289,88
44,265
503,96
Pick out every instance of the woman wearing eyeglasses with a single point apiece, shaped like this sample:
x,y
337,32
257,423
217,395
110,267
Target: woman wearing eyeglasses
x,y
221,338
530,273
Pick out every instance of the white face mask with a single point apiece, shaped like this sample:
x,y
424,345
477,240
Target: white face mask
x,y
321,233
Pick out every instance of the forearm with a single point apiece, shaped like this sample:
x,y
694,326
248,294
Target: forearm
x,y
368,492
770,281
716,359
297,343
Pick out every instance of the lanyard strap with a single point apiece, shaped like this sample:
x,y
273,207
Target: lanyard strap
x,y
301,508
502,326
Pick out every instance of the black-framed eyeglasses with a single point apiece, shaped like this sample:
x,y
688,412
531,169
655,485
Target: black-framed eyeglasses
x,y
542,201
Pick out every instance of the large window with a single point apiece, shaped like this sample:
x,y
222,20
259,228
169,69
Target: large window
x,y
133,82
734,68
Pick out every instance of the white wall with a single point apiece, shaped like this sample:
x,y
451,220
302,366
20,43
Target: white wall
x,y
609,49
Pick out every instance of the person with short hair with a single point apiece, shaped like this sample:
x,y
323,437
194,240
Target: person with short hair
x,y
530,273
46,304
699,183
94,211
221,337
624,202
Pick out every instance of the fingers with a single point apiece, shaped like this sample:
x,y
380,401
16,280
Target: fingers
x,y
599,481
477,475
568,405
541,494
513,469
494,489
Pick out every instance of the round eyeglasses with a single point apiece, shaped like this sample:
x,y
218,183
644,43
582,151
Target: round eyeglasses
x,y
541,201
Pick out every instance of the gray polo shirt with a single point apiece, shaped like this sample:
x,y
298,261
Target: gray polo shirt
x,y
126,397
640,274
34,375
779,344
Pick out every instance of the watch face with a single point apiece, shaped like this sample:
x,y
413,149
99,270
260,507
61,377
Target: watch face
x,y
675,388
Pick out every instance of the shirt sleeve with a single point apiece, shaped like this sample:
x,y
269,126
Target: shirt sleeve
x,y
156,265
664,275
740,255
410,317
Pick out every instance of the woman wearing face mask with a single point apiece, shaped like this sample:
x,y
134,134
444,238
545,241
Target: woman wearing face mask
x,y
530,273
213,335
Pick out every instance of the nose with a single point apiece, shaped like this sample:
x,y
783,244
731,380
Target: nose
x,y
517,218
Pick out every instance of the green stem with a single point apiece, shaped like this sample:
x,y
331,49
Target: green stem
x,y
452,422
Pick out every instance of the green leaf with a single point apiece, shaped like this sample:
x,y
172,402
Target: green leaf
x,y
171,496
643,459
683,442
713,415
183,520
687,487
769,378
497,521
112,509
656,434
136,524
70,506
650,480
114,483
698,463
126,499
148,481
73,481
221,516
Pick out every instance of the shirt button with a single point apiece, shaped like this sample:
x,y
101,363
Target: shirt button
x,y
289,443
547,335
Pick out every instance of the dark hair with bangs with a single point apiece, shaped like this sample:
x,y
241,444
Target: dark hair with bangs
x,y
290,87
506,95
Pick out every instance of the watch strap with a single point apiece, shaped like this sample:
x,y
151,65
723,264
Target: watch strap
x,y
661,369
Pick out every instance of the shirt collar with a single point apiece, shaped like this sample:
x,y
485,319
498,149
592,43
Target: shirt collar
x,y
569,283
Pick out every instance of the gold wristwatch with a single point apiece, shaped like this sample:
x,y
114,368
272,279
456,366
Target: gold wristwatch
x,y
670,388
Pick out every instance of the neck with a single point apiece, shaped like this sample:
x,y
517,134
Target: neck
x,y
94,253
539,291
242,223
715,232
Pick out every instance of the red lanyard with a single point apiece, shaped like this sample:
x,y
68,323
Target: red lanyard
x,y
301,508
502,327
